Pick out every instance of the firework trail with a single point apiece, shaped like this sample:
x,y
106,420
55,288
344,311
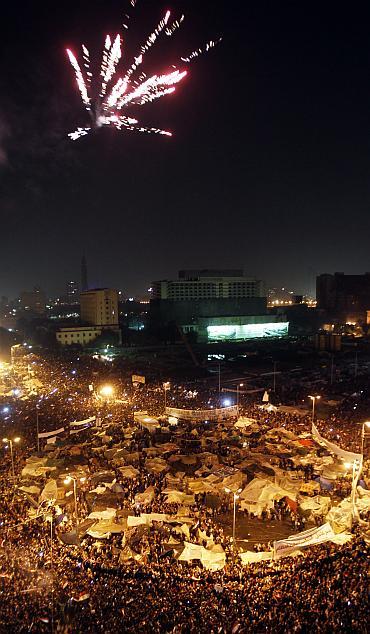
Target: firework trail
x,y
132,89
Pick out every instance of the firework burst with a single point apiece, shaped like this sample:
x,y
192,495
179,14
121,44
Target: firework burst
x,y
116,93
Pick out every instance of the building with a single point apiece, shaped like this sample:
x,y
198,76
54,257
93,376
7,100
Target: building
x,y
346,298
33,301
99,307
99,314
78,335
215,305
72,294
208,284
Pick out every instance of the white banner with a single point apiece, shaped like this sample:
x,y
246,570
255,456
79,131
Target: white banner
x,y
80,425
342,453
48,434
313,536
203,414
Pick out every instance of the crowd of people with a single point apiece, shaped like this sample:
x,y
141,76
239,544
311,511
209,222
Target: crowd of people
x,y
135,582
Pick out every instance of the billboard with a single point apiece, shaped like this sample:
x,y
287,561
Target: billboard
x,y
240,332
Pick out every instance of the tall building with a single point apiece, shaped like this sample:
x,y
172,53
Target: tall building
x,y
215,305
99,307
99,313
72,294
84,279
209,284
344,297
33,301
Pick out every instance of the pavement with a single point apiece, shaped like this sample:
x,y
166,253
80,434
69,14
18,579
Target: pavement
x,y
252,531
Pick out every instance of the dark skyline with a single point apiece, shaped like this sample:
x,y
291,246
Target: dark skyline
x,y
268,168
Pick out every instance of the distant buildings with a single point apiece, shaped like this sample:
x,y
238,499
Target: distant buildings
x,y
99,313
215,305
72,294
99,307
33,301
345,298
209,284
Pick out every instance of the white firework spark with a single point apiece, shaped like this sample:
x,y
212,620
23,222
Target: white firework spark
x,y
127,91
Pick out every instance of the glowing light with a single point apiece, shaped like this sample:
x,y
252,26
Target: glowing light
x,y
106,390
130,90
239,332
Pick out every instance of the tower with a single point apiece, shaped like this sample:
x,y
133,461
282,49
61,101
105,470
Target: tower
x,y
84,282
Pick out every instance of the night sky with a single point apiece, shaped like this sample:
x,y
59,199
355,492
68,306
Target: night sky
x,y
268,168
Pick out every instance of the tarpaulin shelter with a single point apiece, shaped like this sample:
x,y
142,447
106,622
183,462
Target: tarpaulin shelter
x,y
146,497
129,472
260,494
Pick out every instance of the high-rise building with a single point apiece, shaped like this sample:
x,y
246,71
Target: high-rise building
x,y
33,301
72,294
99,307
99,313
345,297
215,305
84,278
209,284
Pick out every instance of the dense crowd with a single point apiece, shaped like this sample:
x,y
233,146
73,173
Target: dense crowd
x,y
48,585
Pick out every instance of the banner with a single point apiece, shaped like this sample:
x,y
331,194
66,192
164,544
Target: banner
x,y
136,378
335,449
203,414
313,536
48,434
80,425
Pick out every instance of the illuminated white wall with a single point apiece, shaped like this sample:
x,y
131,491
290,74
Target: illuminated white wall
x,y
247,331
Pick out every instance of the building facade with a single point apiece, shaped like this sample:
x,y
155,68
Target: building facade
x,y
99,307
344,297
77,335
208,284
216,305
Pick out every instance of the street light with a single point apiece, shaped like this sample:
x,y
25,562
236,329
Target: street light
x,y
235,497
10,442
238,385
365,424
68,480
313,399
107,391
166,386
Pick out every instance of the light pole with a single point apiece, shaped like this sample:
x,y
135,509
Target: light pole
x,y
235,498
313,399
68,480
238,385
10,442
365,424
166,386
274,388
37,428
356,469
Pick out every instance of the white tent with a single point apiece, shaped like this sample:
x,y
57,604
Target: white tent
x,y
260,494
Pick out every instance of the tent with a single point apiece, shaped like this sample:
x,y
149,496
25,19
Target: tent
x,y
260,494
146,497
156,465
129,472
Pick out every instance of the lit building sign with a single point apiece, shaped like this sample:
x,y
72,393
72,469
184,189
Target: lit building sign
x,y
247,331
